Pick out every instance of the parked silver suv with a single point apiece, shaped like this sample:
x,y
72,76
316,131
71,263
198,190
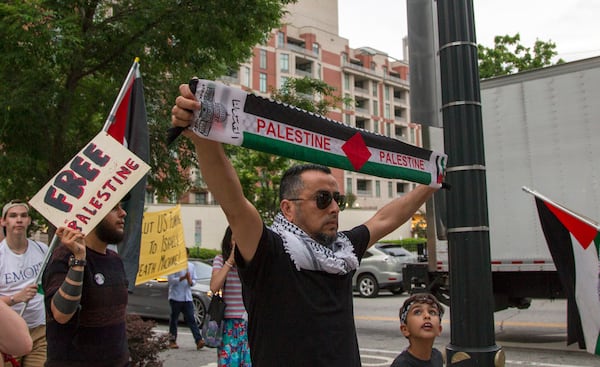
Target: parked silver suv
x,y
381,268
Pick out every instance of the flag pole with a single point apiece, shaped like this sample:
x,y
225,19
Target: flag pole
x,y
38,279
582,218
54,242
132,71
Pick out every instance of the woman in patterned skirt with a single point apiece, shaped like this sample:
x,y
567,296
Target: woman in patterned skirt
x,y
234,350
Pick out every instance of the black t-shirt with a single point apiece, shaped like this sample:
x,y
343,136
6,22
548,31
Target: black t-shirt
x,y
405,359
96,334
299,318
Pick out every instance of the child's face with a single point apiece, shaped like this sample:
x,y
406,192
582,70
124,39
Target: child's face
x,y
422,321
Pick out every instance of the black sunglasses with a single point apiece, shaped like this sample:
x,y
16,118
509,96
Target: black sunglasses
x,y
324,198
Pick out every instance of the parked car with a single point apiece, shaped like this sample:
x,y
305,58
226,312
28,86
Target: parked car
x,y
151,299
381,268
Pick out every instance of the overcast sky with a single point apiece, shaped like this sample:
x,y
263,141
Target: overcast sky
x,y
573,25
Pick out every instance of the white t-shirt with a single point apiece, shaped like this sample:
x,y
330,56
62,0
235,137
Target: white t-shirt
x,y
19,270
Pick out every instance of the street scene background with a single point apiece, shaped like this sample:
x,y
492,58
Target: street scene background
x,y
531,337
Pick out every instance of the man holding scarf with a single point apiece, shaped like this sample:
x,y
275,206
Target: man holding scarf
x,y
296,275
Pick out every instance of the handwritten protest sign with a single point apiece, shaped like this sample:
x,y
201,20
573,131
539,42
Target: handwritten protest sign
x,y
90,185
162,250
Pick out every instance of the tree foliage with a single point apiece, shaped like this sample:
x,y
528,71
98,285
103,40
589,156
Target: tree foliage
x,y
260,173
62,64
509,56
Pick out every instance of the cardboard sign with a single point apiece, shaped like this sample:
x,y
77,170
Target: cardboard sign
x,y
90,185
162,250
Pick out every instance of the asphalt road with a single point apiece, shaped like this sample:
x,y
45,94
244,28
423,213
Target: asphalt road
x,y
534,337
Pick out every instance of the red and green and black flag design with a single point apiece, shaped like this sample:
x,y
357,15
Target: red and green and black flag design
x,y
128,124
233,116
574,243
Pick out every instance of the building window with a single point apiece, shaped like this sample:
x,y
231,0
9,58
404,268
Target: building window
x,y
377,189
386,111
284,62
346,82
348,102
401,132
282,81
315,48
344,58
263,59
280,39
373,65
375,87
363,187
348,186
375,108
386,92
388,129
412,136
246,77
200,198
263,83
401,188
390,189
347,119
385,70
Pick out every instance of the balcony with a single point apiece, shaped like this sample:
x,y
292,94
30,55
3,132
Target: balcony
x,y
400,102
301,50
397,80
358,90
300,72
362,69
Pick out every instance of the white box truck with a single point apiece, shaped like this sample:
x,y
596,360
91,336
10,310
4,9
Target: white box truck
x,y
541,130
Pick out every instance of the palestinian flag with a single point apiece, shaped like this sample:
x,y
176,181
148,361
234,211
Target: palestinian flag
x,y
127,123
232,116
574,243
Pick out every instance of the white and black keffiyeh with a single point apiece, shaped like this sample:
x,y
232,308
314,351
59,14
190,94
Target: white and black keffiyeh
x,y
308,254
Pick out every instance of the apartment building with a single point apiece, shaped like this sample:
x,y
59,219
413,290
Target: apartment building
x,y
308,44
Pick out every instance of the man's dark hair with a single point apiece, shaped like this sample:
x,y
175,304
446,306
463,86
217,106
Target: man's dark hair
x,y
291,183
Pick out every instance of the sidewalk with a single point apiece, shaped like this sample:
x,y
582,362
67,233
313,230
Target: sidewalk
x,y
187,355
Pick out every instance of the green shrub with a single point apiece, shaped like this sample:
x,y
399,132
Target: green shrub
x,y
203,253
409,243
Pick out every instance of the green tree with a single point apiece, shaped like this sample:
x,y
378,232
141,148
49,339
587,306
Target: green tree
x,y
62,64
260,173
509,56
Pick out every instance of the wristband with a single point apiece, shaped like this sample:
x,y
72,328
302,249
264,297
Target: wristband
x,y
76,262
228,264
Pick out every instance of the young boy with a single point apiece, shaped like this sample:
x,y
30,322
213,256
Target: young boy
x,y
420,322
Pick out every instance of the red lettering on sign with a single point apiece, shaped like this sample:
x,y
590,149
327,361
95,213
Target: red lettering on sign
x,y
291,134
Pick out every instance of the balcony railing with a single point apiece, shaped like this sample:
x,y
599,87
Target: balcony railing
x,y
302,50
362,69
361,111
396,80
361,90
303,73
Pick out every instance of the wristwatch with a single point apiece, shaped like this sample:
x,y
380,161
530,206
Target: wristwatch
x,y
76,262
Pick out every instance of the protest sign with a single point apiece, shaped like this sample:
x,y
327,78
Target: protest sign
x,y
162,250
90,185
